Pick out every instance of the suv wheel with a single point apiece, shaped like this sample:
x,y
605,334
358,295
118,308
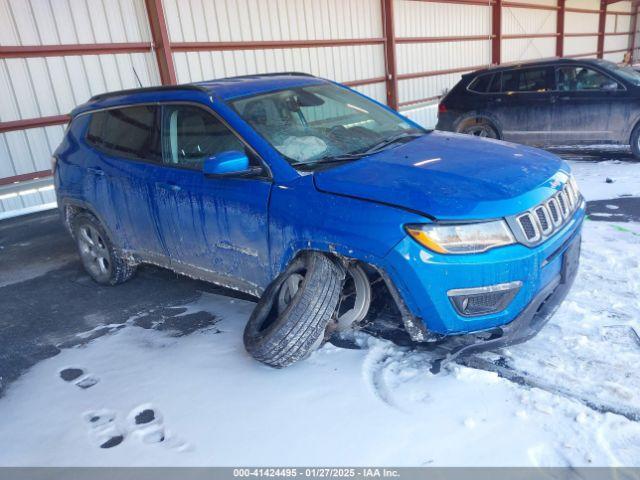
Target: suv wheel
x,y
635,142
99,257
290,319
478,128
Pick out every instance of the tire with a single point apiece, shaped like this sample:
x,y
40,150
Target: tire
x,y
280,333
101,260
478,128
635,142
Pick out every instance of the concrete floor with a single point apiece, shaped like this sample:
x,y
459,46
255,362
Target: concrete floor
x,y
46,298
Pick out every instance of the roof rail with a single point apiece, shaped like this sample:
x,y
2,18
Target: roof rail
x,y
162,88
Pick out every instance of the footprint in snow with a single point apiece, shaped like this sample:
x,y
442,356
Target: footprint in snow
x,y
104,430
146,423
79,377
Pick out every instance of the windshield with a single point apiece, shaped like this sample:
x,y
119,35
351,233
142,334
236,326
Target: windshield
x,y
625,71
323,123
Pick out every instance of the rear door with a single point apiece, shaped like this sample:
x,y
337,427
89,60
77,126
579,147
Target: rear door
x,y
216,226
589,106
523,106
126,143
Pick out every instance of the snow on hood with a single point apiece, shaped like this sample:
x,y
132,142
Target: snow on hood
x,y
450,176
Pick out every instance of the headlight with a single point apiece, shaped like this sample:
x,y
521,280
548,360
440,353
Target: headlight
x,y
459,239
574,188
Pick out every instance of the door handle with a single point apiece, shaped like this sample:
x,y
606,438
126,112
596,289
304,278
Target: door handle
x,y
562,98
496,100
95,171
168,186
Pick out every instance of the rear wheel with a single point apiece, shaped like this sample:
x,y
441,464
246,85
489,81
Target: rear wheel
x,y
478,127
290,319
99,257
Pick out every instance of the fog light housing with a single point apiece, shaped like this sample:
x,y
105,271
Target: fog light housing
x,y
473,302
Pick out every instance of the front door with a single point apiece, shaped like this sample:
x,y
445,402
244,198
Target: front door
x,y
523,107
589,106
214,228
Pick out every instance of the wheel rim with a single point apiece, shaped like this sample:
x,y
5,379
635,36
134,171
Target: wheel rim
x,y
288,291
94,252
483,131
355,298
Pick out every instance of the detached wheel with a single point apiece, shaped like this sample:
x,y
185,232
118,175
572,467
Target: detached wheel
x,y
290,319
635,142
478,128
99,257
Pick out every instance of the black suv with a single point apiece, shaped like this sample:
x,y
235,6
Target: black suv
x,y
548,103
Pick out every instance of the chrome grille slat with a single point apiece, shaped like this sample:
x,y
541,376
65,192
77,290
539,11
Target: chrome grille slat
x,y
545,219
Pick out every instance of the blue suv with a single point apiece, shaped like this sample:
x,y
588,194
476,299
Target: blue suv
x,y
321,202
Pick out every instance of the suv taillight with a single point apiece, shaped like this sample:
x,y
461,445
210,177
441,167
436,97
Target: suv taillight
x,y
442,108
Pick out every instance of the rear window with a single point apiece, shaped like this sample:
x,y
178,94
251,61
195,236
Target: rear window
x,y
130,132
527,80
481,84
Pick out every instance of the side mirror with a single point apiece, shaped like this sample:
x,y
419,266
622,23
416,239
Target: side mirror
x,y
226,164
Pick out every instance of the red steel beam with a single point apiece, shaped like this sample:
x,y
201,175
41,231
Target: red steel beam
x,y
33,123
602,24
594,34
271,44
496,32
462,38
433,73
533,6
27,51
581,10
391,66
634,27
24,177
161,42
560,28
528,35
485,3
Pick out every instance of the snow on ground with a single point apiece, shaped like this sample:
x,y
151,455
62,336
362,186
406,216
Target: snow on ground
x,y
213,405
592,178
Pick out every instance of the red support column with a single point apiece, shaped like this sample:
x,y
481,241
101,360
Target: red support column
x,y
496,32
560,28
634,27
602,26
391,74
161,42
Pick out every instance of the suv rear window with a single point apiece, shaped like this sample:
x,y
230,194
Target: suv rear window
x,y
481,84
527,80
130,132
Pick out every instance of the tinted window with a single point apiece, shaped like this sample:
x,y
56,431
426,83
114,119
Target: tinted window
x,y
481,83
582,78
191,135
529,80
130,132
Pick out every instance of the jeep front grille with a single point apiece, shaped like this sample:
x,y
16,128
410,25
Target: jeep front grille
x,y
545,219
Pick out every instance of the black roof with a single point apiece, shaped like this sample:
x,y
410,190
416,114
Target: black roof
x,y
535,63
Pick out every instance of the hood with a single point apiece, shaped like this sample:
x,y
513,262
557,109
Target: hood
x,y
449,176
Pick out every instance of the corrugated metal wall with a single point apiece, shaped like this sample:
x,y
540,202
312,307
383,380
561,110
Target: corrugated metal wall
x,y
37,87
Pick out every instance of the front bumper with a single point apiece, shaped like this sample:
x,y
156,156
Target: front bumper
x,y
527,324
423,280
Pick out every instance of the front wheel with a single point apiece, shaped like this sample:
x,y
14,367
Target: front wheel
x,y
290,320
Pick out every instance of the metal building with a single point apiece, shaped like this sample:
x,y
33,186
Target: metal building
x,y
55,54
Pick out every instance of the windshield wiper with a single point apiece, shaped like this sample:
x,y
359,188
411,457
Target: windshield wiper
x,y
359,154
390,141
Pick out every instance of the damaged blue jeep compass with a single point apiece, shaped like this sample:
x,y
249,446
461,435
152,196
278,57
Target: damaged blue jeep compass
x,y
324,204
